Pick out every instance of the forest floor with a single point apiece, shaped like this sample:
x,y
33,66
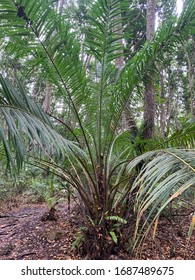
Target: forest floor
x,y
26,233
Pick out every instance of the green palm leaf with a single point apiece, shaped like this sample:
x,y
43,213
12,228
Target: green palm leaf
x,y
164,177
28,126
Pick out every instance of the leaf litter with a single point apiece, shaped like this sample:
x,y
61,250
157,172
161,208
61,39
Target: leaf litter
x,y
25,234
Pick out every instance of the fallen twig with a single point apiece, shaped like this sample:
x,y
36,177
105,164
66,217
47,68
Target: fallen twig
x,y
24,255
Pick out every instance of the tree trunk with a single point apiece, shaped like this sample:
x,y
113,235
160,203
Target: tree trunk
x,y
128,121
47,101
168,107
150,24
149,100
61,6
191,81
162,105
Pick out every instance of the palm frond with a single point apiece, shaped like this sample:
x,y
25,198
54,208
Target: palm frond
x,y
166,175
48,30
103,36
183,138
28,126
59,51
103,43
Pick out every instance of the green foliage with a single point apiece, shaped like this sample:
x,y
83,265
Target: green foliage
x,y
166,175
114,237
11,186
79,239
34,185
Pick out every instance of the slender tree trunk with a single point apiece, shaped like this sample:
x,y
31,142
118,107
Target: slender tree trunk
x,y
162,105
191,80
168,107
128,121
149,100
47,101
150,25
176,106
36,87
15,72
61,5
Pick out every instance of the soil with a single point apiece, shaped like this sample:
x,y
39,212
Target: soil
x,y
28,233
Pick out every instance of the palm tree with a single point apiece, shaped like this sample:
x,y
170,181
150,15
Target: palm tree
x,y
97,160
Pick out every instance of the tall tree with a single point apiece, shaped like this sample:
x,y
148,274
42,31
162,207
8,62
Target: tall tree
x,y
149,98
190,60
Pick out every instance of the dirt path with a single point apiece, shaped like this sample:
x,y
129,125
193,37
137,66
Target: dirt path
x,y
26,233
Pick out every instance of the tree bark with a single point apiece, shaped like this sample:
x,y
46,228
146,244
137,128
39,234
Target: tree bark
x,y
47,101
128,120
162,105
149,98
150,24
168,107
61,5
191,81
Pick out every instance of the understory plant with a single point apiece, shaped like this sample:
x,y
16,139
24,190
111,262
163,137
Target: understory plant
x,y
114,179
